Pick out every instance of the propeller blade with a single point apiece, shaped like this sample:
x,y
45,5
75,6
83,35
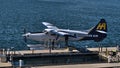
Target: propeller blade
x,y
24,31
25,39
24,36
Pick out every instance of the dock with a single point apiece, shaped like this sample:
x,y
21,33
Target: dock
x,y
5,65
61,57
55,57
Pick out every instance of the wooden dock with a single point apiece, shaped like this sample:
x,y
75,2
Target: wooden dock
x,y
56,57
41,51
65,55
60,50
5,65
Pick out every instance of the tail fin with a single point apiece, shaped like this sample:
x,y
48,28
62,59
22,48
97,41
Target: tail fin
x,y
100,29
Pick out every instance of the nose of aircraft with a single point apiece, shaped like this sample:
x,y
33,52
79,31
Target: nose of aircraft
x,y
26,35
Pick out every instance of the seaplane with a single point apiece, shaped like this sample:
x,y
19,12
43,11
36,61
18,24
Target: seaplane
x,y
54,34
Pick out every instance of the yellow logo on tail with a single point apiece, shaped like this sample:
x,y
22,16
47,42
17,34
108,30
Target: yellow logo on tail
x,y
101,26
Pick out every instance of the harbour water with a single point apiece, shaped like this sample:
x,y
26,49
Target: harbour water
x,y
15,15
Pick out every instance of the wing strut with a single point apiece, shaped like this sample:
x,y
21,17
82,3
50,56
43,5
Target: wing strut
x,y
53,44
66,40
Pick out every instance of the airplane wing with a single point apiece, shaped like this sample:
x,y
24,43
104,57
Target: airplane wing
x,y
49,26
61,32
74,31
53,29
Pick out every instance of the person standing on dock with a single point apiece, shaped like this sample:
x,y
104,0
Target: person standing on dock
x,y
117,48
109,58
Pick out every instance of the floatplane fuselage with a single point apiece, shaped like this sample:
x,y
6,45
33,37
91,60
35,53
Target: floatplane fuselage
x,y
52,33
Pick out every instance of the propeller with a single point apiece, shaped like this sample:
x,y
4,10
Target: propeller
x,y
24,36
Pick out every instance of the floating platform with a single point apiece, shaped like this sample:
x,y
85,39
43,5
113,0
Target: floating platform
x,y
5,65
55,57
47,57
